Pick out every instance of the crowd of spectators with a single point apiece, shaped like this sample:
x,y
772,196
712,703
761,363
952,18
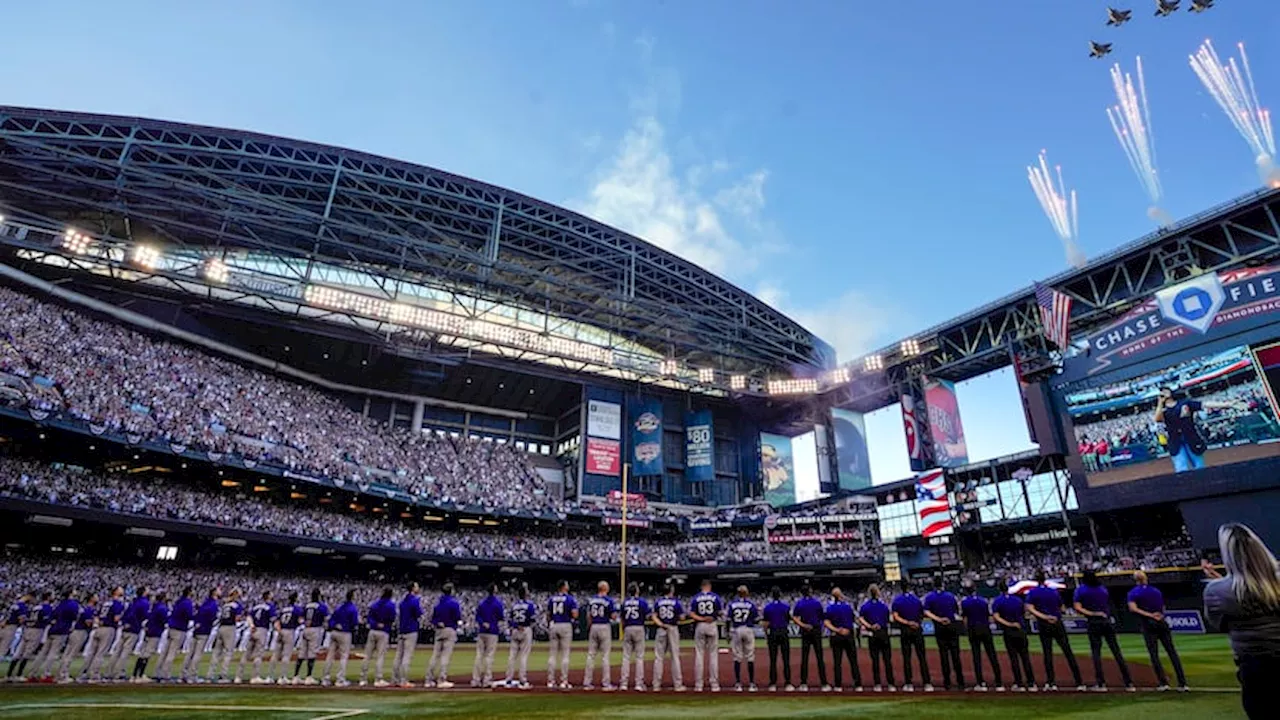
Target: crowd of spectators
x,y
121,381
1057,560
135,495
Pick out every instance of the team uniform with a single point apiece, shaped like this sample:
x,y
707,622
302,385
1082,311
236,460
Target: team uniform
x,y
560,611
131,626
1101,629
342,624
77,639
65,615
382,621
1011,609
14,619
32,635
490,614
445,618
876,614
287,625
224,643
206,618
743,618
668,612
100,640
706,639
600,613
410,616
261,617
177,625
1156,633
634,612
908,607
840,616
777,616
1048,602
153,633
977,618
314,615
808,610
942,604
521,623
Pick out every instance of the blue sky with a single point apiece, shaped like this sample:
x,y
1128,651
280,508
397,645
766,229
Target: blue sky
x,y
860,165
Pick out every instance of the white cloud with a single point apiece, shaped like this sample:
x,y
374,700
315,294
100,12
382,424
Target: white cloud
x,y
746,198
853,322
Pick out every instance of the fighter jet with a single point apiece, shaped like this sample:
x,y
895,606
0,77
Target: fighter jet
x,y
1097,49
1119,17
1165,8
1199,6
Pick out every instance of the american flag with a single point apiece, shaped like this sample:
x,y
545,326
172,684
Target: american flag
x,y
1055,315
1022,587
932,504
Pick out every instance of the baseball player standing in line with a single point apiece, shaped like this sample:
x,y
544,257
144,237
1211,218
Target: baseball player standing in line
x,y
562,612
667,614
154,629
224,644
410,617
287,624
808,616
102,637
382,621
521,623
261,617
601,612
64,616
908,612
489,616
743,616
777,620
706,609
32,633
445,618
79,637
941,607
206,617
131,625
873,616
314,614
839,620
15,618
184,609
977,618
635,610
342,623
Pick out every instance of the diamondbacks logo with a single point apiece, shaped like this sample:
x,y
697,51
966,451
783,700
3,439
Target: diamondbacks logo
x,y
648,452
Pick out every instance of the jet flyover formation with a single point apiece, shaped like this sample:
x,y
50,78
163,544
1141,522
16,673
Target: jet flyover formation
x,y
1164,8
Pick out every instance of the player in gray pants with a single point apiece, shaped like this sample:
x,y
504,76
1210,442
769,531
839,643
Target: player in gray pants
x,y
667,614
562,611
634,612
706,608
520,620
601,613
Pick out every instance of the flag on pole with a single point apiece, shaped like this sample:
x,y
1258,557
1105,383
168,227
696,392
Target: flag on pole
x,y
1055,315
932,504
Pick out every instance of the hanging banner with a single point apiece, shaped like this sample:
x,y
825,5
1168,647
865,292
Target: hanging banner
x,y
604,457
646,437
854,464
604,420
778,469
912,421
699,447
945,428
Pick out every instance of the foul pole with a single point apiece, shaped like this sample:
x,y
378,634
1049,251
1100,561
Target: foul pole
x,y
622,588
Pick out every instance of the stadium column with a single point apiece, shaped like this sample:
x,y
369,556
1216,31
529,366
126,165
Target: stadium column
x,y
416,423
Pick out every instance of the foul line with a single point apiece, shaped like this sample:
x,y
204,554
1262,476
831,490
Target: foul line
x,y
331,713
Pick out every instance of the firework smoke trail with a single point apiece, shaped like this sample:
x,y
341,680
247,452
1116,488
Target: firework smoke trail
x,y
1234,91
1058,206
1131,122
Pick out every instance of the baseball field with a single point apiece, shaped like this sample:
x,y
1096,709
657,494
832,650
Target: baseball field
x,y
1207,660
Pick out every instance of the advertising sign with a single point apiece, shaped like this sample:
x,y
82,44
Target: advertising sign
x,y
604,420
604,457
699,447
646,437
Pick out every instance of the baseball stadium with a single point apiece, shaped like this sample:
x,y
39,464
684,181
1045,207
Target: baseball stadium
x,y
292,430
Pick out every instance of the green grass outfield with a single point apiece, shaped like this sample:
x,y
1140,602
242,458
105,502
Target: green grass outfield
x,y
1207,660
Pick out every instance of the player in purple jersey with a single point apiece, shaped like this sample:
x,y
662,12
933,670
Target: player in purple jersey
x,y
1094,602
98,648
838,618
523,613
314,615
743,616
635,610
261,618
64,617
666,616
15,618
977,618
131,626
86,622
490,615
382,623
1045,604
445,618
224,640
706,608
601,613
409,618
873,616
1147,603
908,614
941,607
287,625
153,631
807,614
34,623
562,612
1010,612
342,624
205,620
777,621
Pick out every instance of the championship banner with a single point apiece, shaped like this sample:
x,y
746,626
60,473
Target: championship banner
x,y
604,457
1183,315
852,459
777,469
699,447
646,437
604,420
945,428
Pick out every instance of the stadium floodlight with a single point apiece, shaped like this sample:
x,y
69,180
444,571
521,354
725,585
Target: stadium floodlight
x,y
668,367
75,242
839,376
146,256
706,376
215,270
873,363
910,347
737,382
794,386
